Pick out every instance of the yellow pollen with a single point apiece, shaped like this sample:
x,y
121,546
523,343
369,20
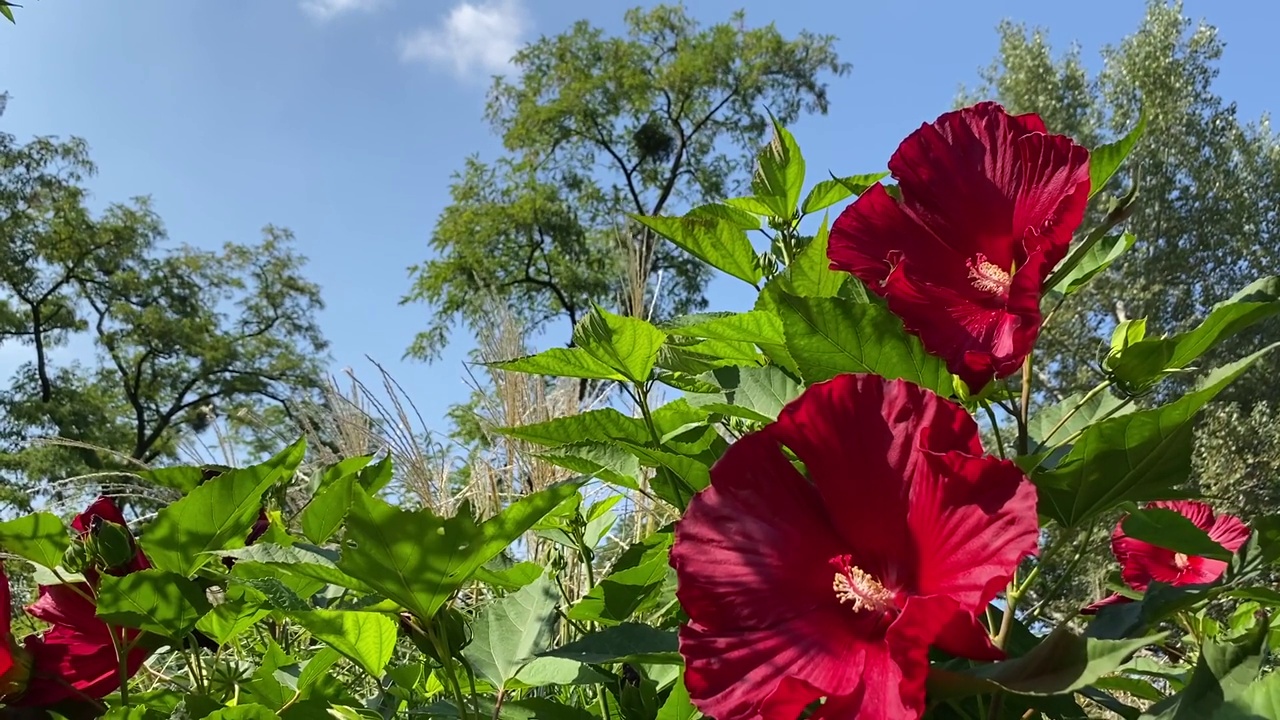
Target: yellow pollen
x,y
1181,561
988,277
854,585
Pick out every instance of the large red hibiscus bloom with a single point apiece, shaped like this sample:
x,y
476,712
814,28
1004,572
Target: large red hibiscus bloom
x,y
75,657
989,202
1142,563
835,585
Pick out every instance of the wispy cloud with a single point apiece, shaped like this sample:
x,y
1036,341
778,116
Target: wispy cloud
x,y
474,39
329,9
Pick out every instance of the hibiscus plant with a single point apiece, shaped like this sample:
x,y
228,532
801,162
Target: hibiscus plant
x,y
862,495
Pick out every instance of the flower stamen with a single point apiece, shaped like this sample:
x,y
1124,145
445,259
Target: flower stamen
x,y
987,276
1181,561
854,585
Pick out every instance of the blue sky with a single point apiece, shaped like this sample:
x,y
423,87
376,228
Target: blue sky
x,y
343,119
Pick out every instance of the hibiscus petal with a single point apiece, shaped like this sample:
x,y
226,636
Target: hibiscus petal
x,y
1112,599
736,676
1052,193
858,438
104,508
68,664
965,636
894,673
753,549
6,623
972,520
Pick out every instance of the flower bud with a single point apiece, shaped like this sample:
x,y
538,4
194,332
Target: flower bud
x,y
111,543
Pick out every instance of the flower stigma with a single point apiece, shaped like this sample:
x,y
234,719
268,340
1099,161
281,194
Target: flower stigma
x,y
854,585
988,277
1181,561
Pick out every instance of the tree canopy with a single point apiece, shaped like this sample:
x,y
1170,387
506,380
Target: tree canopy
x,y
597,127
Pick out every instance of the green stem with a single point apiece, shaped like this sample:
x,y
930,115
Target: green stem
x,y
446,664
995,427
641,395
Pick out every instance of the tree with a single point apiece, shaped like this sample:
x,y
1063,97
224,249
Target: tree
x,y
597,127
179,334
1205,224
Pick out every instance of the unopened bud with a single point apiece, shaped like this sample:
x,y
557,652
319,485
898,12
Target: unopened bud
x,y
111,543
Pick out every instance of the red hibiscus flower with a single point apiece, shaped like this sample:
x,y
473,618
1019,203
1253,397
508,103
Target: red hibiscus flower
x,y
1141,563
989,202
834,582
75,658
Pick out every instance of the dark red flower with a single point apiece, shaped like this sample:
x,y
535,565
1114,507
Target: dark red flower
x,y
1141,563
989,202
835,585
75,657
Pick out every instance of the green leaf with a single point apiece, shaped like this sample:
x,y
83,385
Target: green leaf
x,y
755,326
719,211
376,476
779,175
300,559
418,559
365,638
561,362
1259,701
1172,531
1105,160
322,517
1073,414
1145,361
1061,664
678,705
215,516
1138,456
241,608
626,344
622,594
831,336
511,631
810,273
1095,259
7,12
603,425
829,192
1224,671
607,461
628,642
152,600
39,537
722,245
510,578
534,708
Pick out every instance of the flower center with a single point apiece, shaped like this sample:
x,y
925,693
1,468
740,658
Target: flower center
x,y
1181,561
855,585
987,276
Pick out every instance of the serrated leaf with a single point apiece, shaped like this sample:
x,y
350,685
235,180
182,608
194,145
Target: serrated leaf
x,y
1105,160
561,362
1145,361
1135,457
779,175
215,516
301,559
628,642
1058,422
628,345
241,608
39,537
1060,664
365,638
829,192
322,517
721,244
720,211
603,425
510,631
152,600
1094,260
1224,672
755,326
510,578
810,273
831,336
418,559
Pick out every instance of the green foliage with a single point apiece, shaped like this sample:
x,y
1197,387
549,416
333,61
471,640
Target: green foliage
x,y
160,602
512,630
598,127
41,538
215,516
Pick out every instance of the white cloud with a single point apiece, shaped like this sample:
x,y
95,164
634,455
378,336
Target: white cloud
x,y
329,9
475,38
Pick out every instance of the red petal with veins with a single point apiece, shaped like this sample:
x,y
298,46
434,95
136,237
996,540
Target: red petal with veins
x,y
989,203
